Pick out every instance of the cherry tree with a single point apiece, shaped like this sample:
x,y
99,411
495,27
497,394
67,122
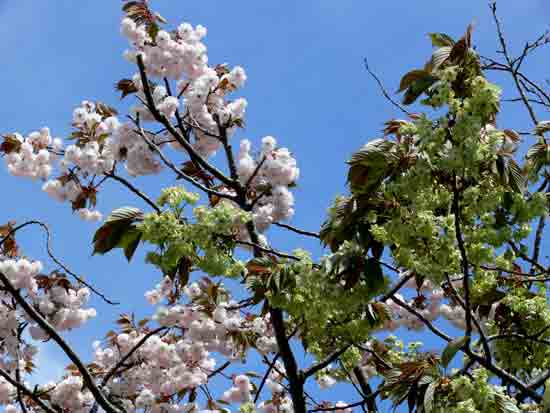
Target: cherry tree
x,y
441,232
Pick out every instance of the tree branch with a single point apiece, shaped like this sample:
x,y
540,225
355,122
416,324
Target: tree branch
x,y
26,391
325,362
140,343
383,89
178,172
159,117
266,375
297,230
44,325
512,70
55,259
295,380
465,265
136,191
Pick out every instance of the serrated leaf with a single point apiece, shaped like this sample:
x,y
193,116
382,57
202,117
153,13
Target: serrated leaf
x,y
160,19
260,265
504,404
439,57
374,153
124,213
129,242
441,39
429,397
418,88
119,231
425,380
542,127
452,348
411,77
512,135
516,179
108,236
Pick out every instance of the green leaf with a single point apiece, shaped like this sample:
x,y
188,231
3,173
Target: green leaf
x,y
119,230
538,156
417,88
516,179
439,57
124,213
410,78
129,241
441,39
504,404
375,153
452,348
429,396
542,127
373,275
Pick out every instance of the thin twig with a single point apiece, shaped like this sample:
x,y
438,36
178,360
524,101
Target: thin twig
x,y
512,70
464,259
136,191
266,375
347,406
219,369
56,260
297,230
178,172
383,89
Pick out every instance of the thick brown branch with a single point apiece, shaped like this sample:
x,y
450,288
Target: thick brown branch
x,y
294,380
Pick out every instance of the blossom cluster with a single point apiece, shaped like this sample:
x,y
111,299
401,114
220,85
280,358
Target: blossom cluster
x,y
181,55
71,394
184,361
61,306
429,303
269,177
33,155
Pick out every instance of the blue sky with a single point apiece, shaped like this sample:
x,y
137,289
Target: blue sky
x,y
307,87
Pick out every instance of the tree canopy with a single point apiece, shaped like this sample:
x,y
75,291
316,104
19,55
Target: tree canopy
x,y
440,231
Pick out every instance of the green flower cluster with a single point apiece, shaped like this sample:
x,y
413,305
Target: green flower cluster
x,y
332,315
473,395
206,240
456,155
529,315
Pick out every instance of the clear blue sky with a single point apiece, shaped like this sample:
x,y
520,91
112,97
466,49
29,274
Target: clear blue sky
x,y
307,87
